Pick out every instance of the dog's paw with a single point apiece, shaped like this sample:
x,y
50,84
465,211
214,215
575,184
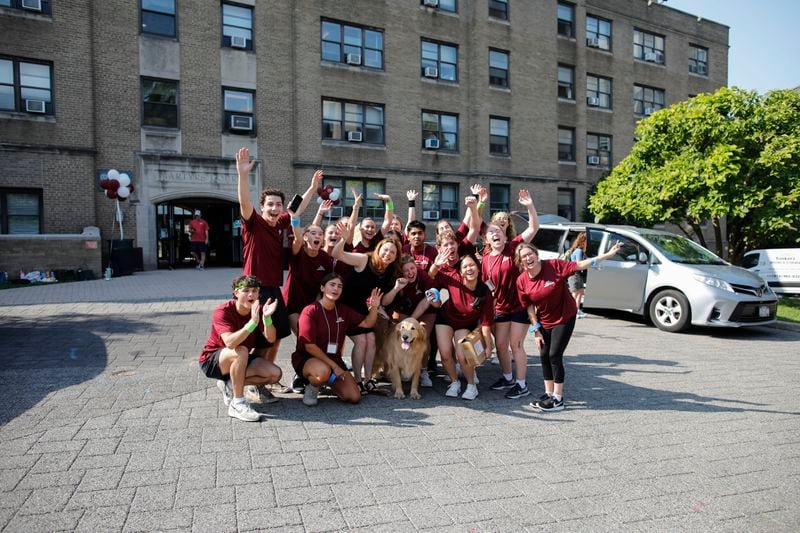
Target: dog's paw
x,y
415,396
399,395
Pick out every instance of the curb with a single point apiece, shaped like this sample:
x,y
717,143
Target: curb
x,y
786,326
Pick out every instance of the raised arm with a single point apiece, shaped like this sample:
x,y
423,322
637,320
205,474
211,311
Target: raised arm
x,y
243,168
297,241
324,207
316,179
388,212
475,219
372,304
399,284
359,261
533,218
412,206
583,264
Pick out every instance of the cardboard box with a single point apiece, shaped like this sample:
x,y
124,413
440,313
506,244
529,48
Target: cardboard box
x,y
474,347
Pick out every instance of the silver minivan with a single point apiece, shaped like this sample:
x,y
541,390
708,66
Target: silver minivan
x,y
665,277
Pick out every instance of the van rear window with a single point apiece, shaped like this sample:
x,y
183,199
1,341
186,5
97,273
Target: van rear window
x,y
548,239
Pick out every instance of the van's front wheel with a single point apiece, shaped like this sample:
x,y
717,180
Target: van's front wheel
x,y
669,311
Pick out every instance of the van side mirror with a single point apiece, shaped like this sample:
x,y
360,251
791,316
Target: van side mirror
x,y
642,257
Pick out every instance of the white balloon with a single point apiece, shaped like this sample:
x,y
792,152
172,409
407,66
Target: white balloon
x,y
319,199
335,194
123,192
113,174
124,180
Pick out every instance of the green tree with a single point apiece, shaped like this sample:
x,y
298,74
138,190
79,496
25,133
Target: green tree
x,y
733,155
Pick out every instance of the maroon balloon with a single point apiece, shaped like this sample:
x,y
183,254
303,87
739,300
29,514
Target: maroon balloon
x,y
337,202
329,188
320,190
112,194
113,185
325,195
104,183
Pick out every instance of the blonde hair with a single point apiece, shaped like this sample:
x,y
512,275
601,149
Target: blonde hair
x,y
511,231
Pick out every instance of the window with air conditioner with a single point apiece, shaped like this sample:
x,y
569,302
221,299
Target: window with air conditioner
x,y
432,144
35,106
351,44
450,6
370,207
592,101
431,72
353,59
648,46
354,136
430,215
41,7
347,120
241,123
439,60
440,200
647,100
237,41
698,60
237,26
239,108
33,5
598,32
598,91
430,3
598,150
439,131
25,86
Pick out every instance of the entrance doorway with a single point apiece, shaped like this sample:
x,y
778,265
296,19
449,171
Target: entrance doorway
x,y
172,230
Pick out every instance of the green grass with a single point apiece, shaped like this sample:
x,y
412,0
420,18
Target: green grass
x,y
789,309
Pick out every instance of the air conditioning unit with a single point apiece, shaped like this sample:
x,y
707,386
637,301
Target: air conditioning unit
x,y
594,42
593,159
35,106
650,56
33,5
592,101
649,111
241,123
353,59
431,72
430,215
659,57
432,144
430,3
237,41
336,211
354,136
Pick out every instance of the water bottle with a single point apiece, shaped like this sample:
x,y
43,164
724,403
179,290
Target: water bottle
x,y
108,274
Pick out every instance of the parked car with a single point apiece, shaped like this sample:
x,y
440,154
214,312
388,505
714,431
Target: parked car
x,y
779,267
665,277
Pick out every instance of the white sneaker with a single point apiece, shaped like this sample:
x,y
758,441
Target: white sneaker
x,y
471,393
494,360
225,388
453,390
243,411
425,379
310,395
259,394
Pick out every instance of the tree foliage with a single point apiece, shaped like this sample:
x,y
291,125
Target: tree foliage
x,y
731,156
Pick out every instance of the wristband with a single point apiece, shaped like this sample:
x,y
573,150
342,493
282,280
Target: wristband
x,y
594,262
534,328
267,321
251,326
295,222
481,205
332,378
390,205
412,203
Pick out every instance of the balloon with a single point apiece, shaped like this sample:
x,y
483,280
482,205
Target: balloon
x,y
325,195
113,174
123,192
131,187
329,188
319,199
337,202
104,183
111,194
124,180
113,185
335,194
320,190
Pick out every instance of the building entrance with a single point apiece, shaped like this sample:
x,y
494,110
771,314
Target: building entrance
x,y
172,231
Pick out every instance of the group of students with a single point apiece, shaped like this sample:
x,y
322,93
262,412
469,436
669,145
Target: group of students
x,y
339,283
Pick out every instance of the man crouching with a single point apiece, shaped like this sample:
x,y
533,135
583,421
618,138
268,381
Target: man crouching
x,y
226,356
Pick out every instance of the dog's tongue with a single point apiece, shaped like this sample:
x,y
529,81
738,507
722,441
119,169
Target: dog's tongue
x,y
405,345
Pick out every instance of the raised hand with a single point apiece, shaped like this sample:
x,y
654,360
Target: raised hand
x,y
374,300
469,201
254,310
357,197
243,163
442,258
476,188
270,306
325,206
316,179
412,195
483,195
400,283
525,198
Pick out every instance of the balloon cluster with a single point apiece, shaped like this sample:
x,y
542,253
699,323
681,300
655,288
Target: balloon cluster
x,y
117,185
328,192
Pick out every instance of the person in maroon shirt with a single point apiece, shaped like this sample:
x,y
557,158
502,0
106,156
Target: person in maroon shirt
x,y
323,326
226,355
199,229
510,319
424,254
543,291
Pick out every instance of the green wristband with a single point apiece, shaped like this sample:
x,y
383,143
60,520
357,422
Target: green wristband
x,y
267,321
481,205
390,205
251,326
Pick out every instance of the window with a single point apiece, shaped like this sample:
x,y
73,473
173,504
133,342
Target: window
x,y
445,5
499,198
442,127
442,58
351,44
160,99
498,68
598,32
350,121
26,86
498,9
566,20
598,150
648,47
237,26
566,203
239,111
566,144
371,206
598,91
43,7
498,136
20,211
698,60
439,200
647,100
158,17
566,82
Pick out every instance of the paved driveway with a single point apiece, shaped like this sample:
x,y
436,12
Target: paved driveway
x,y
107,424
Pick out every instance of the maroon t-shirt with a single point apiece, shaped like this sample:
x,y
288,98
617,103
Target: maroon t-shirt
x,y
226,319
320,326
458,312
303,280
362,248
549,292
407,299
423,259
263,248
501,271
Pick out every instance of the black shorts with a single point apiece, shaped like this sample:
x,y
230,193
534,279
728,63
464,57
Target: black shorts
x,y
299,360
198,247
440,320
520,317
280,318
211,369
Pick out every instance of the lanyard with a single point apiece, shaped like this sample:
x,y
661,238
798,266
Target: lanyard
x,y
325,316
499,259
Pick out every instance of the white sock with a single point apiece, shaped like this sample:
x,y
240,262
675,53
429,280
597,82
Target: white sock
x,y
557,397
521,383
239,401
508,377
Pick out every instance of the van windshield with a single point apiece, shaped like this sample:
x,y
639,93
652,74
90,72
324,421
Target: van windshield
x,y
682,250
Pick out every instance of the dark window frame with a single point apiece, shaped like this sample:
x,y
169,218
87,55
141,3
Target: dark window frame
x,y
571,155
177,104
639,105
343,46
371,207
700,66
597,34
447,9
226,39
363,124
598,93
507,144
494,205
4,214
605,156
504,81
564,23
47,8
568,90
571,212
640,50
17,87
438,60
226,114
498,9
439,133
447,209
174,16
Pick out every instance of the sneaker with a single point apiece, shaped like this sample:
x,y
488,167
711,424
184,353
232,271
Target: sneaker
x,y
425,379
224,388
310,395
453,390
543,398
581,314
197,267
517,391
298,384
243,411
550,404
259,394
471,393
503,384
202,267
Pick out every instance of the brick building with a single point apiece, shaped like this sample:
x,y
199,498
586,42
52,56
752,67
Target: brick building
x,y
384,95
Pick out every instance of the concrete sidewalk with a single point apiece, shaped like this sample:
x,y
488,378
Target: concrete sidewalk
x,y
109,425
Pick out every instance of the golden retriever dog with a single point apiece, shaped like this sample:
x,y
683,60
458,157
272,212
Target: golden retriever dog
x,y
401,352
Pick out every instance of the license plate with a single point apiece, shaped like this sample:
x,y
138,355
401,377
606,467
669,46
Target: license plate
x,y
763,310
